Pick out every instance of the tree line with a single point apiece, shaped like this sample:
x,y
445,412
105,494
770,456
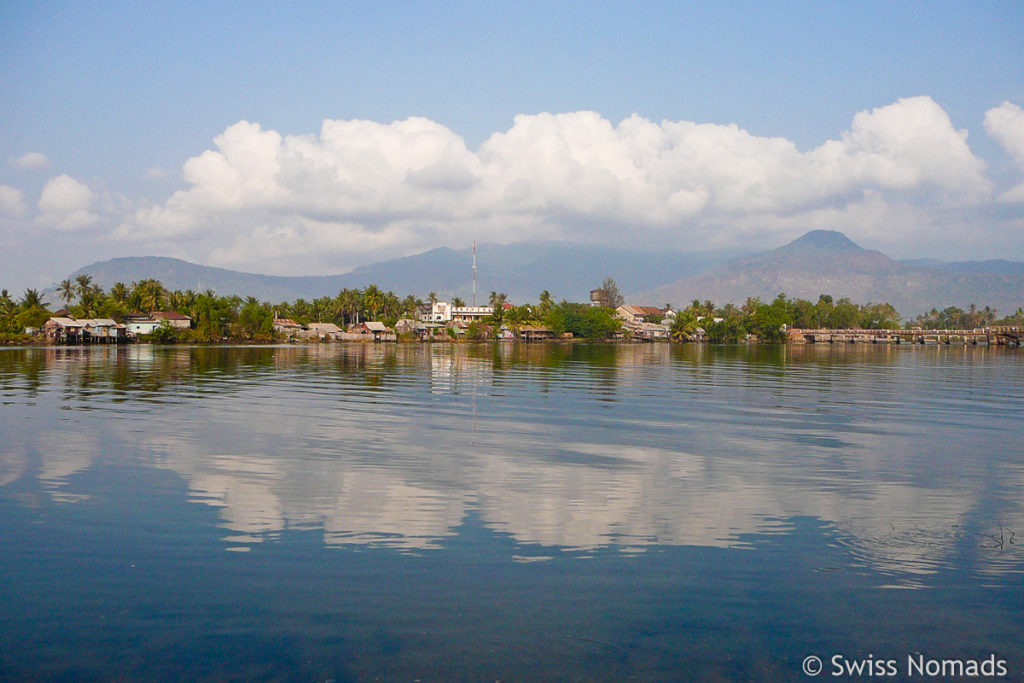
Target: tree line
x,y
767,320
216,317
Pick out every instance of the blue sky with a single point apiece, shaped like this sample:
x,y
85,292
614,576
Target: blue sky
x,y
104,104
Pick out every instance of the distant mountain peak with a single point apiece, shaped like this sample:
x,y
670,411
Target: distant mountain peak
x,y
831,240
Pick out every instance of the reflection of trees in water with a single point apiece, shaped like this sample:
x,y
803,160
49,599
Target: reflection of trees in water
x,y
703,445
22,370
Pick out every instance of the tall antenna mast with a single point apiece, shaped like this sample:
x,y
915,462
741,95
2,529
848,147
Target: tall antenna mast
x,y
474,273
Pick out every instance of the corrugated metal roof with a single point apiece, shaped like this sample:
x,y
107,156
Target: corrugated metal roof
x,y
67,322
324,327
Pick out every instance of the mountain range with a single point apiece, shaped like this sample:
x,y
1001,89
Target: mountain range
x,y
827,262
820,262
522,271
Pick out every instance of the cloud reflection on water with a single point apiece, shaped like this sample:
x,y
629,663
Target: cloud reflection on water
x,y
574,448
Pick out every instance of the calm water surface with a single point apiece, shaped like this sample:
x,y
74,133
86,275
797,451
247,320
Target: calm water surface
x,y
507,512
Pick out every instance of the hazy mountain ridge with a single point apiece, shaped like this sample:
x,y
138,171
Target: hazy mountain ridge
x,y
827,262
522,271
819,262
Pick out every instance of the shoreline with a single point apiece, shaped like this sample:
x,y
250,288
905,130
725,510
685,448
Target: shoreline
x,y
42,344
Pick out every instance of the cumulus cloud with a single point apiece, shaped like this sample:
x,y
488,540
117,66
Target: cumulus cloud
x,y
31,161
362,187
66,204
1005,124
12,202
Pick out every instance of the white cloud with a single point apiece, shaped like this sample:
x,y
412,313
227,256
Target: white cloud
x,y
31,161
1005,124
66,204
12,202
361,188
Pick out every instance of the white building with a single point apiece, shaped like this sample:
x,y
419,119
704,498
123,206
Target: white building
x,y
444,312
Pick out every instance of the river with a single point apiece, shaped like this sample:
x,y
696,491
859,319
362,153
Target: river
x,y
505,511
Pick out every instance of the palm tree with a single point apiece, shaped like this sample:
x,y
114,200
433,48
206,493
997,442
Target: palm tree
x,y
188,302
89,302
410,306
300,309
517,316
432,298
373,299
347,304
31,299
84,283
322,307
457,302
66,290
151,293
683,325
498,301
119,293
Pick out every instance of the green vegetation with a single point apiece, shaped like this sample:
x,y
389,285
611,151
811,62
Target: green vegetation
x,y
954,318
231,318
15,316
586,322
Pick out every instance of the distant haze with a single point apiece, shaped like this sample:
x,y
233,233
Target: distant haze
x,y
820,262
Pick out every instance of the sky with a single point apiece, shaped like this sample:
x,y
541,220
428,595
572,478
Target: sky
x,y
311,138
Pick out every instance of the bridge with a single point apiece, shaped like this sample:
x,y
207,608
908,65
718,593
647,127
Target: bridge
x,y
983,336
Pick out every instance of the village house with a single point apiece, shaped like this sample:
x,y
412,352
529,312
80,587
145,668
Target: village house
x,y
288,327
535,333
426,331
104,330
64,330
378,331
322,331
405,326
639,314
147,323
67,330
172,318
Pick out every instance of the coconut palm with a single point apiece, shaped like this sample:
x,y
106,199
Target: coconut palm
x,y
373,300
410,305
497,303
84,282
66,290
322,307
119,293
151,292
546,303
32,298
346,304
683,325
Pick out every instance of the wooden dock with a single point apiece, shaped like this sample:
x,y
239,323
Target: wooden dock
x,y
986,336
